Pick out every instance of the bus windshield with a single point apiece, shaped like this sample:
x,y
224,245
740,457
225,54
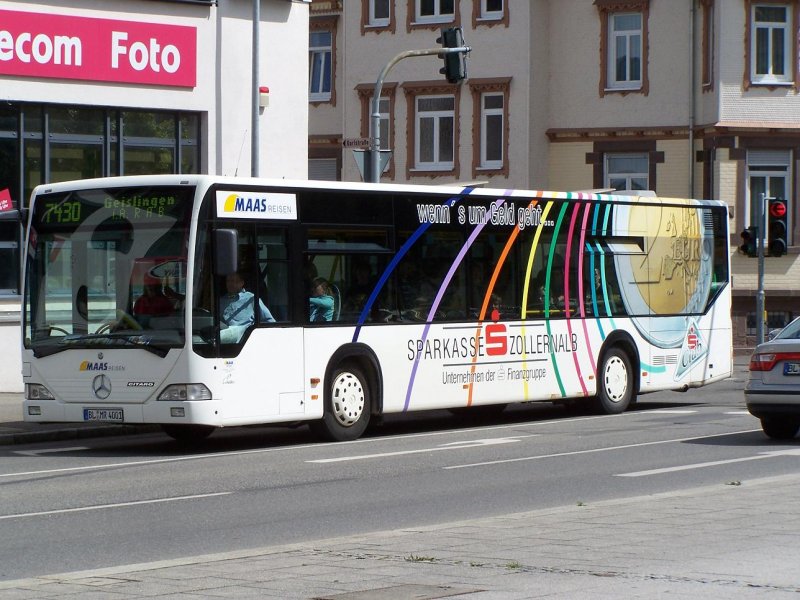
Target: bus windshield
x,y
107,268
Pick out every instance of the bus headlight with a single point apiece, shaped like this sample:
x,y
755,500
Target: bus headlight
x,y
36,391
181,392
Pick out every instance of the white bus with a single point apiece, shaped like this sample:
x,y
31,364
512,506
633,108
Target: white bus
x,y
422,298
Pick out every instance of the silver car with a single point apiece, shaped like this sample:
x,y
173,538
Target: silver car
x,y
772,392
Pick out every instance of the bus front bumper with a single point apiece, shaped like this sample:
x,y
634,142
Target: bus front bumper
x,y
203,412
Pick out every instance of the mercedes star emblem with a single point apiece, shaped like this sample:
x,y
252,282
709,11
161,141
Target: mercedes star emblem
x,y
101,386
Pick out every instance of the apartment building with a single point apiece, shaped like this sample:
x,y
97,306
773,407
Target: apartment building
x,y
685,97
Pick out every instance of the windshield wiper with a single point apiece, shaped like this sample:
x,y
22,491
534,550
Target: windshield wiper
x,y
103,340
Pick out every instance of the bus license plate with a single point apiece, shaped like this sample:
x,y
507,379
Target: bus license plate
x,y
103,414
791,369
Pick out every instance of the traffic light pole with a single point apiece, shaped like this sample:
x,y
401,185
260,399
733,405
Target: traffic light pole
x,y
372,166
760,239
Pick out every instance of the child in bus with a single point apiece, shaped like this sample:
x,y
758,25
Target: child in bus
x,y
321,301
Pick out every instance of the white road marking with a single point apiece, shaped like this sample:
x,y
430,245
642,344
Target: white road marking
x,y
52,451
670,411
737,412
105,506
713,463
449,446
316,445
597,450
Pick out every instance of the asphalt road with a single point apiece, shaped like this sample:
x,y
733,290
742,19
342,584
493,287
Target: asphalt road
x,y
123,500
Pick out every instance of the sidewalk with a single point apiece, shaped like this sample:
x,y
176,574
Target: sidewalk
x,y
643,547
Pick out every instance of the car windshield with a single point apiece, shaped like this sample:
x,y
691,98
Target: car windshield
x,y
790,332
107,268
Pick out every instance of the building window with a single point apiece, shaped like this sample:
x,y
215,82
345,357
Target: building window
x,y
430,14
708,44
770,44
377,16
386,109
492,130
627,171
768,173
434,132
379,13
490,125
623,46
435,10
489,12
320,60
432,135
625,50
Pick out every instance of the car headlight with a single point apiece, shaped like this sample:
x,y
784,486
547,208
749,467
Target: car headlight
x,y
36,391
181,392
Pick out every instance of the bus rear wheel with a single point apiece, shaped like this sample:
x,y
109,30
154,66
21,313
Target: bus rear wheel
x,y
614,382
347,405
188,433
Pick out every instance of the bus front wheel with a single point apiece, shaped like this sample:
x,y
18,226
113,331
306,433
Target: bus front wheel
x,y
188,433
614,382
347,405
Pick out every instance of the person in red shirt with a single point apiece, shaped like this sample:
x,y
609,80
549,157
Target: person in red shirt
x,y
152,302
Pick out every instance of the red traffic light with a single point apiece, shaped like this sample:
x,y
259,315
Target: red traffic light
x,y
777,209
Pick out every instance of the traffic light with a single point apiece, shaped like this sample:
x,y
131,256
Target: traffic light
x,y
455,63
777,228
749,236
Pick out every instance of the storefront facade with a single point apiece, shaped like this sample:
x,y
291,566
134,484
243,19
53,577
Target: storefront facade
x,y
131,87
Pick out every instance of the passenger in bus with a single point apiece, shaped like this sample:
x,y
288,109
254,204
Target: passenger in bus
x,y
321,302
152,302
237,312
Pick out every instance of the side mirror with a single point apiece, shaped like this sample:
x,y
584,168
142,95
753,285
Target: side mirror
x,y
226,250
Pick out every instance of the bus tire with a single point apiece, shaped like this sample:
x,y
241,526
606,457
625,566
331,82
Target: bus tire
x,y
615,382
188,433
347,405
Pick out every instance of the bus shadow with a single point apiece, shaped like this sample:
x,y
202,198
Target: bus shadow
x,y
264,437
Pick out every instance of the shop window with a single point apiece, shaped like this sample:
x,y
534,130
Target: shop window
x,y
58,143
9,258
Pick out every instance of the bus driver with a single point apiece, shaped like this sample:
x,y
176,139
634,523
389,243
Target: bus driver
x,y
236,310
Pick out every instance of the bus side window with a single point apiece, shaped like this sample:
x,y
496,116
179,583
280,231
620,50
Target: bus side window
x,y
273,280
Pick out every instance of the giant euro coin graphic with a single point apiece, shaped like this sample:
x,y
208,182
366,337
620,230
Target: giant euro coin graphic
x,y
669,275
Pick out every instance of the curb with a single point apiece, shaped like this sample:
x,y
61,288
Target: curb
x,y
74,433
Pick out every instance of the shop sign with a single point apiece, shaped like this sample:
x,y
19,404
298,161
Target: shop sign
x,y
90,49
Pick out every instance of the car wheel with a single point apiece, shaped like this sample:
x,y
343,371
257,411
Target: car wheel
x,y
347,405
780,428
614,382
